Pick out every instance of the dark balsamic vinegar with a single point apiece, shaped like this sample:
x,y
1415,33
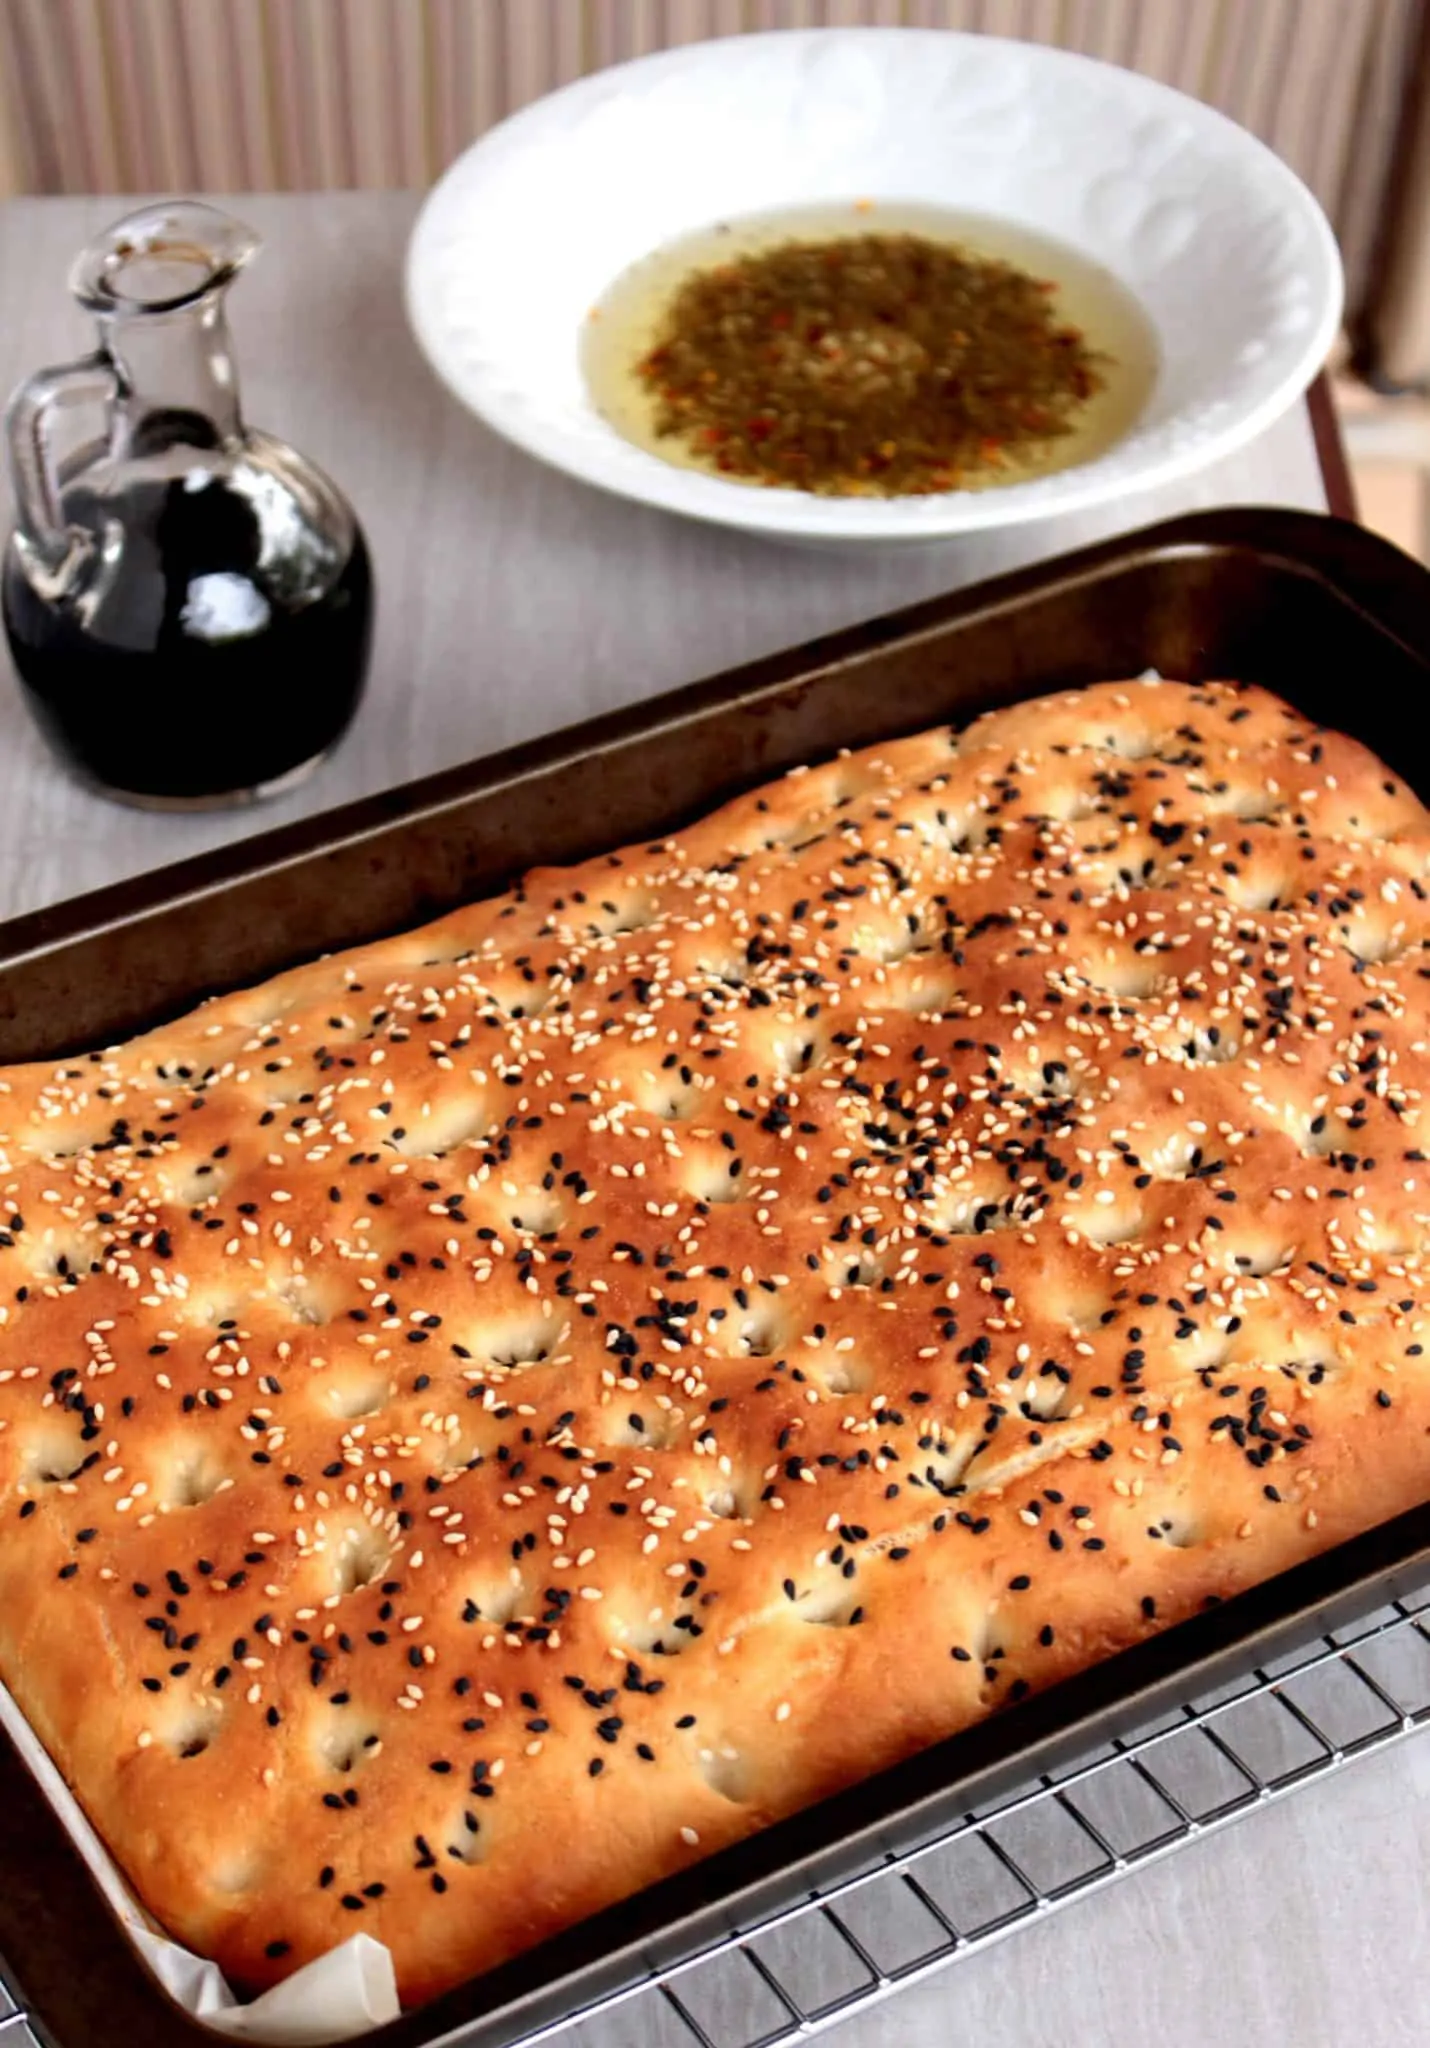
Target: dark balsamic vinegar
x,y
192,667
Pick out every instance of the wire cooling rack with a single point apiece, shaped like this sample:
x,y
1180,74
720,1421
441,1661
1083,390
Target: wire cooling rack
x,y
1195,1770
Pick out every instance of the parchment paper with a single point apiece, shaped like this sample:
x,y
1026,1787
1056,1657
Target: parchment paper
x,y
349,1991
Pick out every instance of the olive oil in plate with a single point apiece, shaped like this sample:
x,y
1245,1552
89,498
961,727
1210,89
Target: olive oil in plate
x,y
869,349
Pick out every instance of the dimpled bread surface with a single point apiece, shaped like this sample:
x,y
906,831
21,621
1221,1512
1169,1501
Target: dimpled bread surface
x,y
491,1417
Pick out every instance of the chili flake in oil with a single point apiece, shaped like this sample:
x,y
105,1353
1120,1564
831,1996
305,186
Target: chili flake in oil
x,y
867,365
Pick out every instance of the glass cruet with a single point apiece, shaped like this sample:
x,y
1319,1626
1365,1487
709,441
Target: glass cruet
x,y
188,601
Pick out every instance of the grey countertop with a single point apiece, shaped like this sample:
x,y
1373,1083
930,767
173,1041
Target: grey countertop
x,y
512,601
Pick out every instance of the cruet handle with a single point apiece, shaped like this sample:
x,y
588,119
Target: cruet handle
x,y
55,548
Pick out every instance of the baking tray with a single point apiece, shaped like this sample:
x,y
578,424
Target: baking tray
x,y
1318,610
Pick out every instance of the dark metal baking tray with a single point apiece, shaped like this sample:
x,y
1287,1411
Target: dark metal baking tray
x,y
1320,611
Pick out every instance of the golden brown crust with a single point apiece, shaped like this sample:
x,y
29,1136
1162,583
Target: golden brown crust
x,y
489,1418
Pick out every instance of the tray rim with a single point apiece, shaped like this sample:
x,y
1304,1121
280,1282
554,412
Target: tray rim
x,y
274,848
536,1989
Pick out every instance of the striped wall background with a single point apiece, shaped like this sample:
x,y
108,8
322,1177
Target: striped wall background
x,y
138,95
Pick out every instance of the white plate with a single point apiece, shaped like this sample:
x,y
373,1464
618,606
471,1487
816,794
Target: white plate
x,y
1226,250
